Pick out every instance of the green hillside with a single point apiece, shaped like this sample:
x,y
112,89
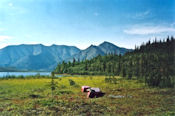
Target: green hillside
x,y
153,62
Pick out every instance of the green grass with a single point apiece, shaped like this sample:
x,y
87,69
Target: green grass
x,y
16,98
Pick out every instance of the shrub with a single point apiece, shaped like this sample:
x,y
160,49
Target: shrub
x,y
71,82
63,86
112,80
91,77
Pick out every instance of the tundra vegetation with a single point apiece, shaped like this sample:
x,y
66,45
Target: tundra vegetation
x,y
33,96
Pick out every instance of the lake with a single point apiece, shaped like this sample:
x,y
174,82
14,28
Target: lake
x,y
3,74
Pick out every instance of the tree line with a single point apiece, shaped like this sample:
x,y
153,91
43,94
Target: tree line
x,y
154,62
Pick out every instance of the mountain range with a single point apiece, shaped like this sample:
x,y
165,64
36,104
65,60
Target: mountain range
x,y
37,57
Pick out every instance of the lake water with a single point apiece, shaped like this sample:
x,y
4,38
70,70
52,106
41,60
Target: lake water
x,y
3,74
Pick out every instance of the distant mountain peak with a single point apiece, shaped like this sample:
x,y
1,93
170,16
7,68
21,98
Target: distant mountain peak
x,y
30,45
53,45
107,43
92,46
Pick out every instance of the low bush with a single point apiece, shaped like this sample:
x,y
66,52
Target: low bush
x,y
71,82
112,80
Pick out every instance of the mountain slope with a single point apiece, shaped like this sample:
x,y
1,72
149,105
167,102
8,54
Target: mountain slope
x,y
35,57
45,58
89,53
107,48
102,49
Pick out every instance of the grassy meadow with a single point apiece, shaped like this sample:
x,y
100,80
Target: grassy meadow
x,y
31,96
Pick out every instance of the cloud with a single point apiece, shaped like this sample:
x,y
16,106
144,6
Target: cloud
x,y
12,9
2,45
4,37
142,14
139,15
145,30
10,4
2,40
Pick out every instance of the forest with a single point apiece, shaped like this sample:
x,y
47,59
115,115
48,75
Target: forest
x,y
152,62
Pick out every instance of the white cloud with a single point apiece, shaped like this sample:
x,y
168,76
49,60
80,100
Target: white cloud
x,y
142,14
2,45
10,4
145,30
2,40
139,14
4,37
12,9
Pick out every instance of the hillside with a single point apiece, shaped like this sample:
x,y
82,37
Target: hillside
x,y
35,57
45,58
152,62
102,49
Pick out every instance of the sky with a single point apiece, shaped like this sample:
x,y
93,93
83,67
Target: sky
x,y
80,23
